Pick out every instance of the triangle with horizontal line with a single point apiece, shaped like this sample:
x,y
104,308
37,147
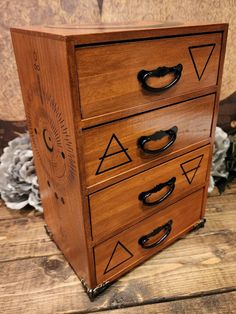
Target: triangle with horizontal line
x,y
190,167
115,155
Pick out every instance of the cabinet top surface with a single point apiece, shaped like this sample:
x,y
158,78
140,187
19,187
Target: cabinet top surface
x,y
84,34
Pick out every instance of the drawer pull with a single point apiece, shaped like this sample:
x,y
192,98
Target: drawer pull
x,y
143,196
144,239
144,75
171,133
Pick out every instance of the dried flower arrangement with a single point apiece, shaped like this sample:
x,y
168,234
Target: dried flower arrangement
x,y
221,146
19,184
18,180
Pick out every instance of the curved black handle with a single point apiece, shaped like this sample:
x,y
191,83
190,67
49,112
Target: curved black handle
x,y
172,133
144,75
143,196
143,241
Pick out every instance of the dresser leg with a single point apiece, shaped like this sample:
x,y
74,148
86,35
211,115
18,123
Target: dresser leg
x,y
48,231
199,225
93,293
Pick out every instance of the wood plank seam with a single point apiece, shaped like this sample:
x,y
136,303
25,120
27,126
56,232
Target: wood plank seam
x,y
30,257
164,300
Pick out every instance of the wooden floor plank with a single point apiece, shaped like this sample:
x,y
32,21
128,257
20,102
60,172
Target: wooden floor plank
x,y
6,213
220,216
35,278
13,214
224,303
191,266
230,189
23,238
229,199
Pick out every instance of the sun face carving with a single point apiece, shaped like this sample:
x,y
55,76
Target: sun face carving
x,y
50,137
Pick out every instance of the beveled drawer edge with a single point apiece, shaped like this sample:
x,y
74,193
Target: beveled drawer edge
x,y
139,261
143,34
190,190
134,40
136,170
150,106
94,243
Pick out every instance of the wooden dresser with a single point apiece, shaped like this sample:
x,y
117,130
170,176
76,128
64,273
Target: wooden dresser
x,y
122,122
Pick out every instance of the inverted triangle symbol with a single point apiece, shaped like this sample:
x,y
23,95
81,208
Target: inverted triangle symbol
x,y
119,255
117,163
200,56
195,165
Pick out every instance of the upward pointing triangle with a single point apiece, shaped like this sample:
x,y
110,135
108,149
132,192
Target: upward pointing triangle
x,y
115,155
200,56
119,255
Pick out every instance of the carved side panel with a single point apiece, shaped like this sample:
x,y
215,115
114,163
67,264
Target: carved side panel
x,y
45,83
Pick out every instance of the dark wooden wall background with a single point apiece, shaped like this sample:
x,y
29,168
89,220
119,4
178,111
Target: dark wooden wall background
x,y
28,12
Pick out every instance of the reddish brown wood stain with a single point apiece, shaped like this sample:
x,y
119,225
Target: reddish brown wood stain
x,y
86,111
108,74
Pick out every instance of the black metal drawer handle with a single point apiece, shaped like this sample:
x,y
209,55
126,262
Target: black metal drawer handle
x,y
144,75
143,196
171,133
143,241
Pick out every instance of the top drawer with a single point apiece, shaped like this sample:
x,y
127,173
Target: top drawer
x,y
108,73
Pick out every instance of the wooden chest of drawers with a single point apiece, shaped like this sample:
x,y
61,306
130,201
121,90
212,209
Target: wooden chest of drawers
x,y
122,124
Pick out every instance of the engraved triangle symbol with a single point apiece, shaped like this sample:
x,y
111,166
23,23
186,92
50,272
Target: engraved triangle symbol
x,y
115,155
190,167
119,255
200,56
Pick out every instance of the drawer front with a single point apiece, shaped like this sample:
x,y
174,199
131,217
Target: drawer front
x,y
112,149
108,74
128,201
124,251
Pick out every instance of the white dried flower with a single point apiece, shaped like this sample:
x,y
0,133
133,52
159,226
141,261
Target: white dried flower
x,y
221,145
18,181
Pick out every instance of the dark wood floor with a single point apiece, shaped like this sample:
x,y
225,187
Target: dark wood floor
x,y
197,274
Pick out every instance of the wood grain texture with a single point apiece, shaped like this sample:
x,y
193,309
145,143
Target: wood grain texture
x,y
57,289
34,238
203,263
45,82
230,189
218,304
11,214
216,111
116,115
128,131
188,11
123,251
48,285
110,32
118,206
23,238
72,162
108,74
83,12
